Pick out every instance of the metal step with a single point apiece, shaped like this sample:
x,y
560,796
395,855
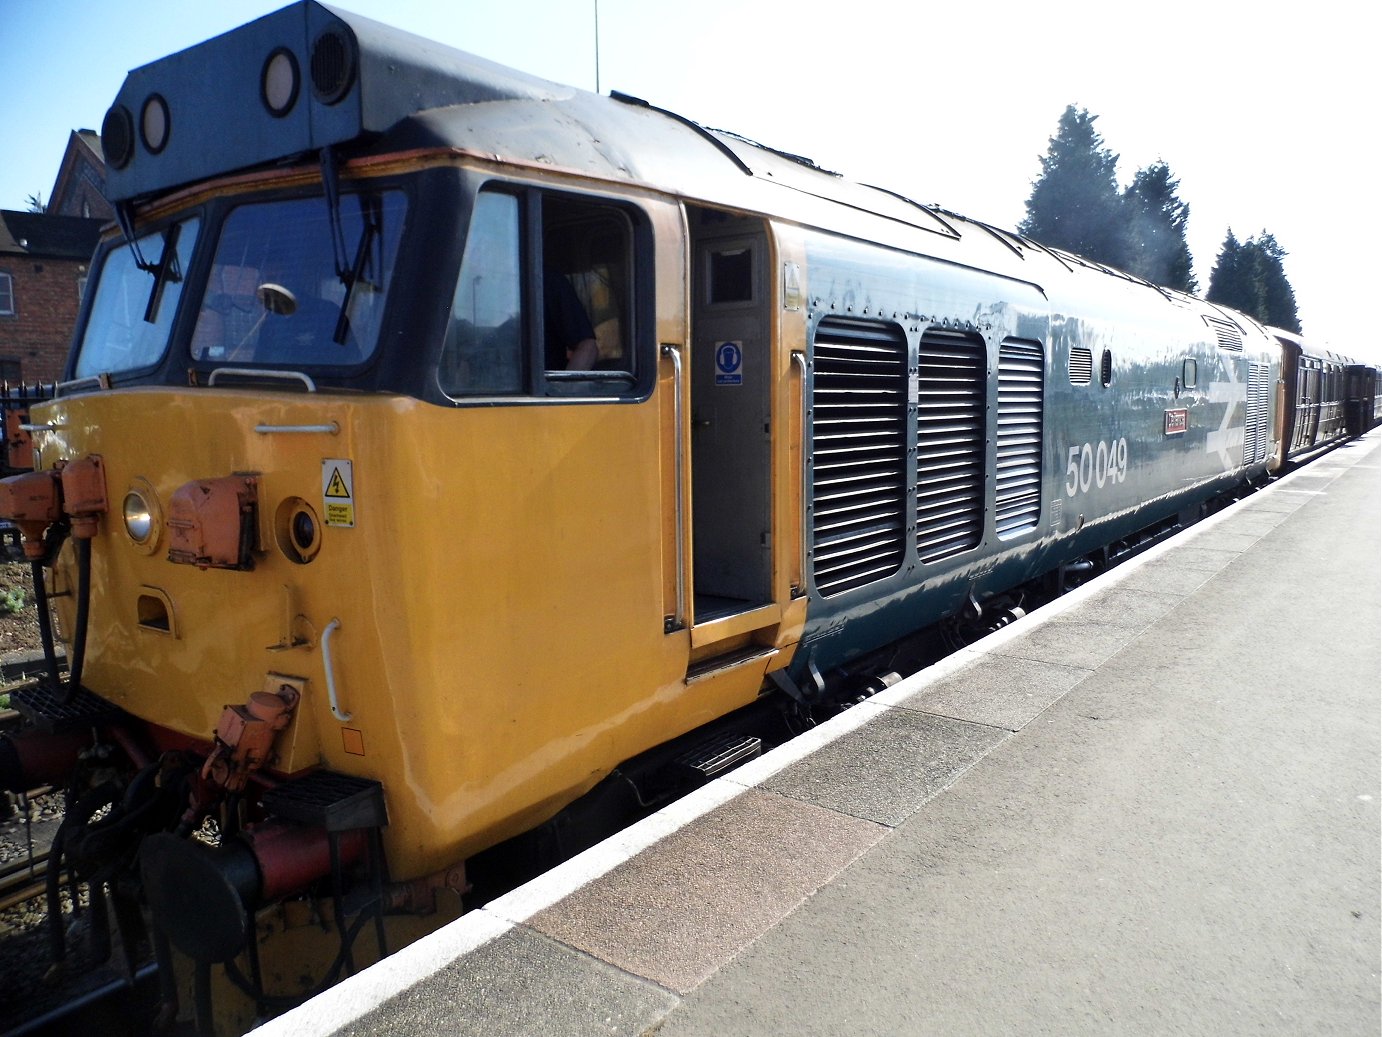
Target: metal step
x,y
46,710
731,660
336,802
721,754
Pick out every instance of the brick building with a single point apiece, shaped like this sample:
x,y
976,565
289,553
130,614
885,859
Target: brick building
x,y
80,187
44,261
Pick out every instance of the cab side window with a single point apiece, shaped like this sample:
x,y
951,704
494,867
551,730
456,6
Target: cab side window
x,y
544,304
587,285
483,354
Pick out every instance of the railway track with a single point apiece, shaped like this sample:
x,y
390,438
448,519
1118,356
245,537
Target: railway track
x,y
23,879
37,997
87,991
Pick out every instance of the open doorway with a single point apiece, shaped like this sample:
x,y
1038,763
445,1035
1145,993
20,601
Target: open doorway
x,y
730,410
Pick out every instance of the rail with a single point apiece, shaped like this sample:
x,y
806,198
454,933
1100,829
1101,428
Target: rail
x,y
799,362
331,428
679,469
328,664
256,374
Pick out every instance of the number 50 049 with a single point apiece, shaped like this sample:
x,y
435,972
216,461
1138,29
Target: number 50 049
x,y
1099,465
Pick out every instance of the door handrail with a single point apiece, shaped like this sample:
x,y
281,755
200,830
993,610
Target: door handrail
x,y
679,478
799,361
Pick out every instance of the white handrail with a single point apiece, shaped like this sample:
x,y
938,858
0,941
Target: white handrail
x,y
261,373
328,666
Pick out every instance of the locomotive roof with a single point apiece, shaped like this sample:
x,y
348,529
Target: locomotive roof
x,y
310,77
301,79
344,81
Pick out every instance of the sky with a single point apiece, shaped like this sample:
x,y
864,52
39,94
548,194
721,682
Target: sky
x,y
1265,113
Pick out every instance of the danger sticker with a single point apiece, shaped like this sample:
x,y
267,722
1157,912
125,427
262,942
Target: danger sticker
x,y
338,492
1177,421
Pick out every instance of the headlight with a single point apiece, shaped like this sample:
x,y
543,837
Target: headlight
x,y
139,518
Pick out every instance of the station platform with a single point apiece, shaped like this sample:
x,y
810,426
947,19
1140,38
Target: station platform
x,y
1151,808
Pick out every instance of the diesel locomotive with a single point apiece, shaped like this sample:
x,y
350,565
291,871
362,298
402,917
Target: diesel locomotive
x,y
441,446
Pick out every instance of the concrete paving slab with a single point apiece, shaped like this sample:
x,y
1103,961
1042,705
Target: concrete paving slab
x,y
680,910
884,772
1204,559
998,691
1232,540
1165,576
1251,523
1053,642
1284,499
1129,606
521,984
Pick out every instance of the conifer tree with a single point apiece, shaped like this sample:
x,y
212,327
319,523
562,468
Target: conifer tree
x,y
1250,277
1233,282
1075,203
1156,247
1278,297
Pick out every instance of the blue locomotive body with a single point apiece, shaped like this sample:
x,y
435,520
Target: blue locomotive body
x,y
972,430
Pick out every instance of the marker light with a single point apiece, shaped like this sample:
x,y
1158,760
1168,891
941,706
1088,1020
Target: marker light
x,y
154,123
298,530
305,534
279,82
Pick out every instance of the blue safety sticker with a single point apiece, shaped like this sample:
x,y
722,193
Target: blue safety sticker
x,y
729,363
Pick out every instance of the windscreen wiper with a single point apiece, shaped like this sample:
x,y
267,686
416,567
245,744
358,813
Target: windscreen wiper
x,y
370,211
166,271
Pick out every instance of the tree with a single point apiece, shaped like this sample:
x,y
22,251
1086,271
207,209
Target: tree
x,y
35,203
1156,248
1278,297
1233,281
1250,277
1075,203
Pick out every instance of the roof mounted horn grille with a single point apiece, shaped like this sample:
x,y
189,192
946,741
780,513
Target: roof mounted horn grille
x,y
333,65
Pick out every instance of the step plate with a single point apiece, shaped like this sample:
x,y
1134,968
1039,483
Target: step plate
x,y
46,710
713,758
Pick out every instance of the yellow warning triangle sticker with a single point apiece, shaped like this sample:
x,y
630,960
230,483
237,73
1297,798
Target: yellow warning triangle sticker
x,y
337,487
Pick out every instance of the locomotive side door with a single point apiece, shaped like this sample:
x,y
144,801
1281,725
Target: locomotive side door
x,y
730,409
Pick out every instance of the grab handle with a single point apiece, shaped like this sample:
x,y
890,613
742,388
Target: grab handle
x,y
679,469
329,665
799,361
